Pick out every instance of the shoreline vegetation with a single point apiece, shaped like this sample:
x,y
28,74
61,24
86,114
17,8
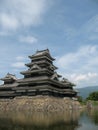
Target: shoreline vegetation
x,y
41,120
91,101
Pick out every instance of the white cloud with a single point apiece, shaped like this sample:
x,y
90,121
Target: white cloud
x,y
18,65
20,58
92,24
80,66
3,33
8,22
18,13
28,39
88,31
83,56
82,77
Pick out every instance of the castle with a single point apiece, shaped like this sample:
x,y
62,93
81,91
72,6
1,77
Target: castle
x,y
41,78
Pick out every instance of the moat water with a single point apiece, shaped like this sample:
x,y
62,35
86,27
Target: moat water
x,y
69,120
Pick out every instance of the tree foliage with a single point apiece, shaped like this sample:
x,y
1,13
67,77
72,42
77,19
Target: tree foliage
x,y
80,99
93,96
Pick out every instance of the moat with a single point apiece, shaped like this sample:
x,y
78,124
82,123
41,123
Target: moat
x,y
69,120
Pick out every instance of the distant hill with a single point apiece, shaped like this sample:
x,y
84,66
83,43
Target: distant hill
x,y
84,92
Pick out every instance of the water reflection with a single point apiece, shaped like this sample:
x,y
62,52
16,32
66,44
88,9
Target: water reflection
x,y
68,120
39,121
93,114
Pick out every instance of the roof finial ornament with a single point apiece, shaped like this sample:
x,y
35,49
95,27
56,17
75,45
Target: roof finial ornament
x,y
36,50
64,79
47,49
8,73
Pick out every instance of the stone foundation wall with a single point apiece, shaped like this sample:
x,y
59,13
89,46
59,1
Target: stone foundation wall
x,y
38,103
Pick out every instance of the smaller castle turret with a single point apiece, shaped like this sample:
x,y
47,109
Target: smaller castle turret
x,y
9,78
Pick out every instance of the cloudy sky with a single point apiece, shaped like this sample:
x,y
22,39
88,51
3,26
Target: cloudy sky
x,y
69,28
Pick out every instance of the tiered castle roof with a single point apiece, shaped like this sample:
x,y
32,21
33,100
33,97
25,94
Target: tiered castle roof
x,y
41,78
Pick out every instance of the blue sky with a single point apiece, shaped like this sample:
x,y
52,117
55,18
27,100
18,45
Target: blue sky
x,y
69,28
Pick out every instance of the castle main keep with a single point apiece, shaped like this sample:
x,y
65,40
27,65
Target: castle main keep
x,y
40,78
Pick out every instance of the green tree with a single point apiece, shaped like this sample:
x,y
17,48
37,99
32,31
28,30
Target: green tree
x,y
93,96
80,99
